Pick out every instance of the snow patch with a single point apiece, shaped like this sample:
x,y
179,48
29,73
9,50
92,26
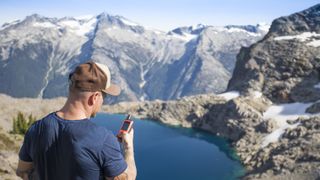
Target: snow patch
x,y
306,36
231,30
70,23
44,24
234,30
284,112
84,17
281,113
78,28
141,85
198,26
189,37
75,26
229,95
158,31
317,86
142,75
127,22
302,37
142,98
276,135
263,26
314,43
185,36
257,94
5,53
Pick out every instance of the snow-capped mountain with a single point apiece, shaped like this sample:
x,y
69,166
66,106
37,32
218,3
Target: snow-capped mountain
x,y
37,53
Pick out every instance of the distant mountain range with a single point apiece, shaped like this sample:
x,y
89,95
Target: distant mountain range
x,y
38,53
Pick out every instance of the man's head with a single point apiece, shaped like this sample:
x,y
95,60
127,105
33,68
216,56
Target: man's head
x,y
89,83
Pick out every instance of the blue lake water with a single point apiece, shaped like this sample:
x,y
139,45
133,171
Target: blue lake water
x,y
168,153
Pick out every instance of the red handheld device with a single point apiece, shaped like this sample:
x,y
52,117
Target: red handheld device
x,y
126,126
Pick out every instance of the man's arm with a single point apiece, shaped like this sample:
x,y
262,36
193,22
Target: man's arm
x,y
131,172
24,169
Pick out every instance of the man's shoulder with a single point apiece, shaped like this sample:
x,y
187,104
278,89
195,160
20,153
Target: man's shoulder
x,y
44,120
102,132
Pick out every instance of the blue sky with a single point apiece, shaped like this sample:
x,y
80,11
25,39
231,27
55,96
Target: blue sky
x,y
161,14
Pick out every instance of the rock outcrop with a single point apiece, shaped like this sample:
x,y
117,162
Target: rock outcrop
x,y
295,156
285,65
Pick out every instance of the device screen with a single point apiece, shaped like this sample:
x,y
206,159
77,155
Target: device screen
x,y
125,126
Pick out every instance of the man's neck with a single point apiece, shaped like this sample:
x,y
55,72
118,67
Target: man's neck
x,y
73,111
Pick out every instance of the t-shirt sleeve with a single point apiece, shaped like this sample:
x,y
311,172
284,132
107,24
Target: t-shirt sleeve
x,y
24,153
113,162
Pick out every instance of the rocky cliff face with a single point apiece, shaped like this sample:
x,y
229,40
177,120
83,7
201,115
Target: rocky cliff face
x,y
284,66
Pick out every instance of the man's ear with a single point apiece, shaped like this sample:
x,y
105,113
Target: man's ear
x,y
93,98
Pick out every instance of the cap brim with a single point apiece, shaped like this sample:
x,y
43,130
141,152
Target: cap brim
x,y
113,90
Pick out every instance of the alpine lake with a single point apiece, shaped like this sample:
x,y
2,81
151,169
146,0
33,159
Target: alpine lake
x,y
174,153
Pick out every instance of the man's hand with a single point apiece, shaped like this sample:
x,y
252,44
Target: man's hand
x,y
127,140
24,169
131,172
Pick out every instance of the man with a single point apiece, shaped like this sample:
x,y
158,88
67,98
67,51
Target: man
x,y
66,145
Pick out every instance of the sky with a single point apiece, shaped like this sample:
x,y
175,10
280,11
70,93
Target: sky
x,y
161,14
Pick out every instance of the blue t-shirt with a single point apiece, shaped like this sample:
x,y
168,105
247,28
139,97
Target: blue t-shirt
x,y
66,149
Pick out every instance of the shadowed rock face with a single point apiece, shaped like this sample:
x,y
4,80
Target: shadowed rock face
x,y
284,66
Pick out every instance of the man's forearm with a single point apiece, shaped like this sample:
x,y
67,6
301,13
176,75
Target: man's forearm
x,y
129,157
23,174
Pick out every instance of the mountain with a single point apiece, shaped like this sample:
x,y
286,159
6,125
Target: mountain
x,y
38,53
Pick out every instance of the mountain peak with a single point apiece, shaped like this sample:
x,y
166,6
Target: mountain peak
x,y
312,11
35,16
38,17
116,19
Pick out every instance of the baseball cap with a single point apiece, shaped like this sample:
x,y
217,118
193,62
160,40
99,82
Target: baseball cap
x,y
93,76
